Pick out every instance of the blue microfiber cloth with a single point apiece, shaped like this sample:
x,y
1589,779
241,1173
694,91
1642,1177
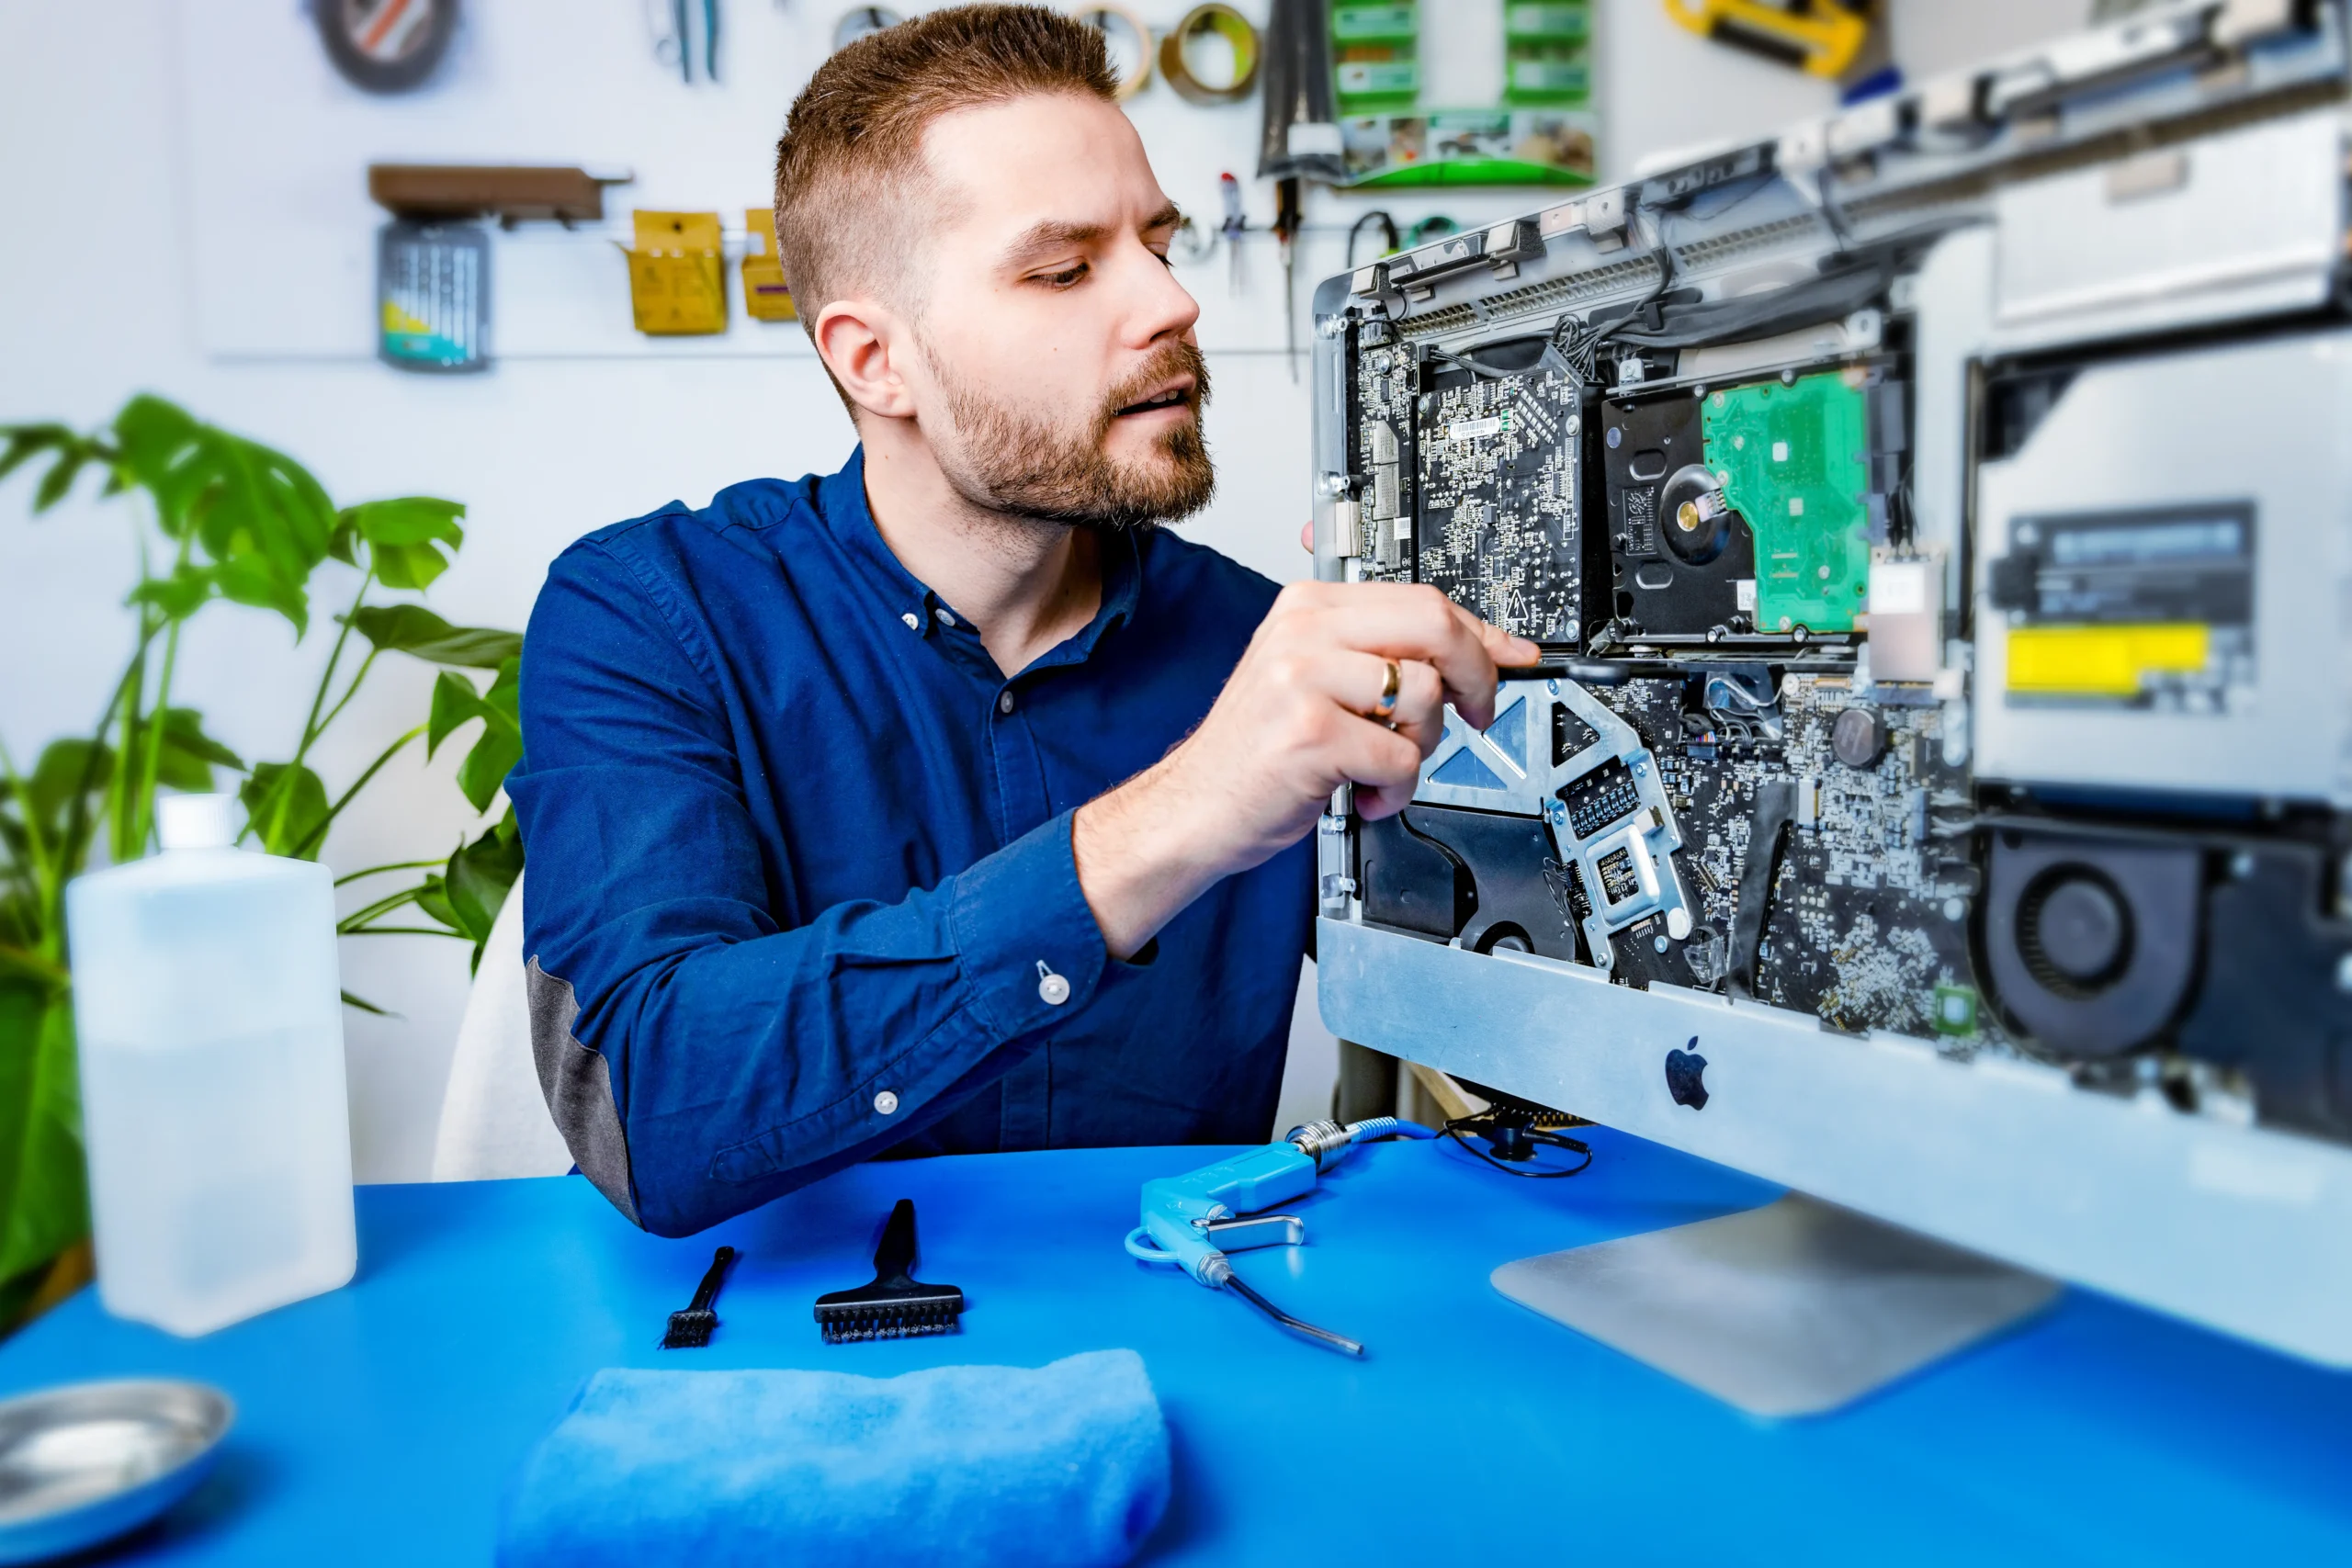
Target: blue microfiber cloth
x,y
1061,1464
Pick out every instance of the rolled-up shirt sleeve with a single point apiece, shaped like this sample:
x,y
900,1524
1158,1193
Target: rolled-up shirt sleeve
x,y
698,1057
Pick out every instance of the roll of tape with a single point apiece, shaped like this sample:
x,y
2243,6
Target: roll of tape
x,y
1105,20
1236,29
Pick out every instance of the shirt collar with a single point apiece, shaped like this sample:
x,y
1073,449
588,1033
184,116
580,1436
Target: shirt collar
x,y
1122,587
840,504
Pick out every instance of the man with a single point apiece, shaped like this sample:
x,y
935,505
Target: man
x,y
944,804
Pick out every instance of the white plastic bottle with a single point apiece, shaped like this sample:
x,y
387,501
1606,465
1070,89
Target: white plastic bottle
x,y
209,1012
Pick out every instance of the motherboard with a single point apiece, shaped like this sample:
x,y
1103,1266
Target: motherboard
x,y
1846,817
1476,486
1753,760
1767,821
1805,846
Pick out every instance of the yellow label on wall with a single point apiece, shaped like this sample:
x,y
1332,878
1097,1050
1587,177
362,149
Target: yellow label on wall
x,y
677,282
2102,662
766,296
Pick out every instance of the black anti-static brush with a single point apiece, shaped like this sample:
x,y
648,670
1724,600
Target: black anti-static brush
x,y
895,1306
690,1327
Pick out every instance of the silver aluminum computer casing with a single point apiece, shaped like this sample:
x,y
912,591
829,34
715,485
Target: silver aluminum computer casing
x,y
2180,174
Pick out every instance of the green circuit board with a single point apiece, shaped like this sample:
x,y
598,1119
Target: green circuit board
x,y
1795,461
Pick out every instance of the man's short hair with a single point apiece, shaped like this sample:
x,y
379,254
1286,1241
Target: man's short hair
x,y
849,172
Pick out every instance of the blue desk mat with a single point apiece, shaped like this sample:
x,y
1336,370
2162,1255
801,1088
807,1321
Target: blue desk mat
x,y
379,1423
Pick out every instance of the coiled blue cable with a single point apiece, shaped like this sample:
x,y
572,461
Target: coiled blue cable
x,y
1388,1127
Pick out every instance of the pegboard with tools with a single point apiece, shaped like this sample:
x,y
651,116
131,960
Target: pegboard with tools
x,y
285,233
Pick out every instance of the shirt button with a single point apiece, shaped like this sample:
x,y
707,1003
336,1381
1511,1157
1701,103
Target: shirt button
x,y
1052,989
1004,702
944,618
914,622
886,1103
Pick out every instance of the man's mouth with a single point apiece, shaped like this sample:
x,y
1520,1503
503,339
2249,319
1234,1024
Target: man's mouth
x,y
1177,396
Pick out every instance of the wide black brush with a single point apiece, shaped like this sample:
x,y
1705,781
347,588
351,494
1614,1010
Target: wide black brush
x,y
896,1306
691,1325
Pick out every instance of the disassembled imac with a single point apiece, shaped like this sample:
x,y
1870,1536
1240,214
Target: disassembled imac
x,y
1937,795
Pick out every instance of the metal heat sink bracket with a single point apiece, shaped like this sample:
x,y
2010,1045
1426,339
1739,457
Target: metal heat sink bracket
x,y
1549,738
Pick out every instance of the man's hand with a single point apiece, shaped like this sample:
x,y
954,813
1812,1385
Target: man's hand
x,y
1297,720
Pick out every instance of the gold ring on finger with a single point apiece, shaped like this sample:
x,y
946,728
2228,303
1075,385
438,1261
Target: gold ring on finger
x,y
1391,684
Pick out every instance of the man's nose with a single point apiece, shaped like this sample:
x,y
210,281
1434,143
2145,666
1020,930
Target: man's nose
x,y
1161,307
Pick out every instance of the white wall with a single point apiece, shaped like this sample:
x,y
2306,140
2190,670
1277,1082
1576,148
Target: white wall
x,y
101,209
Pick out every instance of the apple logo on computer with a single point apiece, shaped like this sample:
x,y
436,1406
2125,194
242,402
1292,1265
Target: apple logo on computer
x,y
1683,1079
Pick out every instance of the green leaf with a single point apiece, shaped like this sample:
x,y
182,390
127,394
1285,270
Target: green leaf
x,y
254,580
408,566
404,537
285,804
500,746
484,770
66,772
157,444
66,769
414,629
15,865
60,479
183,737
27,441
432,900
188,755
258,515
455,703
479,876
178,596
267,504
44,1201
351,1002
22,967
73,452
409,520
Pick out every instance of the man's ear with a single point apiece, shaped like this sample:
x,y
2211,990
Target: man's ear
x,y
858,338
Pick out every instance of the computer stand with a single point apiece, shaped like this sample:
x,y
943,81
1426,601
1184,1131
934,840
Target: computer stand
x,y
1793,1309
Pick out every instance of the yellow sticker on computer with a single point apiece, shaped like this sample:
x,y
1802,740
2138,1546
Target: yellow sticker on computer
x,y
677,281
2103,660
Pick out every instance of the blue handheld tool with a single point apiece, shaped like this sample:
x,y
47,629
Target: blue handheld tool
x,y
1193,1220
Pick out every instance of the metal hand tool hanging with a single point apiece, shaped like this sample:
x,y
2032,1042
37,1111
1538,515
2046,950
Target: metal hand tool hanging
x,y
1286,224
674,40
1300,136
1229,189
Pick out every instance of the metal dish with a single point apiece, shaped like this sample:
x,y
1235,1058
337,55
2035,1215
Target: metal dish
x,y
86,1462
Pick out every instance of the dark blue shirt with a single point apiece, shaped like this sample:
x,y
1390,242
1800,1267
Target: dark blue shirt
x,y
801,890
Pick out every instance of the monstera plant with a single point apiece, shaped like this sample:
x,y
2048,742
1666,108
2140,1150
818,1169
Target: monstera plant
x,y
217,517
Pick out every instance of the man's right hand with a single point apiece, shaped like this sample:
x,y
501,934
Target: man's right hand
x,y
1297,720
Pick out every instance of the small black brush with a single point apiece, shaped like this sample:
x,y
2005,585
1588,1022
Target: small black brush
x,y
690,1327
895,1306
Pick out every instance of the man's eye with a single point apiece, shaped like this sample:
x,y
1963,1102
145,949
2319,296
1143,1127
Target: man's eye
x,y
1065,279
1165,260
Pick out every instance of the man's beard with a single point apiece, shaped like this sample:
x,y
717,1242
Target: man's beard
x,y
1009,463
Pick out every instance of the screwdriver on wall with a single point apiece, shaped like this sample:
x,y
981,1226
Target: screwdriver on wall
x,y
1230,189
1286,223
